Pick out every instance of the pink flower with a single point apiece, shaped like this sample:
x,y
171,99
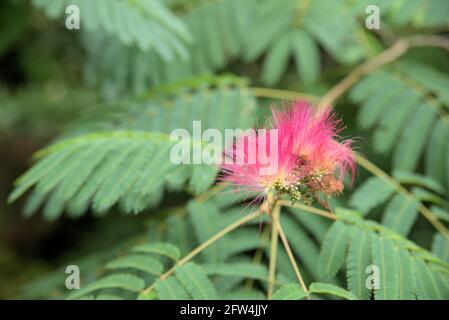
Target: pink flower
x,y
302,151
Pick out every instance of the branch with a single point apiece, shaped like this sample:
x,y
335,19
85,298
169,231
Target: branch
x,y
429,41
432,218
273,250
281,94
398,49
211,192
204,245
395,51
291,257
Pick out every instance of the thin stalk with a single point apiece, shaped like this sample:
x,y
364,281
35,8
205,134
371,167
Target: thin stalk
x,y
431,217
291,257
281,94
273,250
204,245
323,213
211,192
397,50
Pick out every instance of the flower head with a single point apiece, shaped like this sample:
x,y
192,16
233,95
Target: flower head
x,y
299,156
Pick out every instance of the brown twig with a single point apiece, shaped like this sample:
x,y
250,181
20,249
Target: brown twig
x,y
307,208
291,257
273,250
399,48
396,50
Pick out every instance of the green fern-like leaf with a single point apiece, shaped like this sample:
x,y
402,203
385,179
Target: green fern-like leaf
x,y
120,280
305,248
397,102
327,288
437,153
418,180
160,248
359,258
406,275
385,258
139,262
425,13
315,225
410,144
292,291
427,282
170,289
333,251
440,246
285,34
98,187
196,282
400,276
205,218
371,193
242,270
400,214
244,294
169,35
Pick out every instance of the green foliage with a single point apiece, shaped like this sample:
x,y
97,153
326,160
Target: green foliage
x,y
326,288
165,249
230,29
108,97
358,259
400,214
125,20
122,281
170,289
99,169
440,246
415,118
425,13
218,30
292,291
197,284
139,262
371,193
333,250
396,259
384,256
298,36
131,168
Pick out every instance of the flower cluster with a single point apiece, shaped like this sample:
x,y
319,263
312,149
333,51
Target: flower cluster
x,y
309,158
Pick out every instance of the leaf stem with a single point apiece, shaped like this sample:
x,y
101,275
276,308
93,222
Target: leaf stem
x,y
395,51
281,94
204,245
307,208
273,250
258,255
211,192
398,49
432,218
291,257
